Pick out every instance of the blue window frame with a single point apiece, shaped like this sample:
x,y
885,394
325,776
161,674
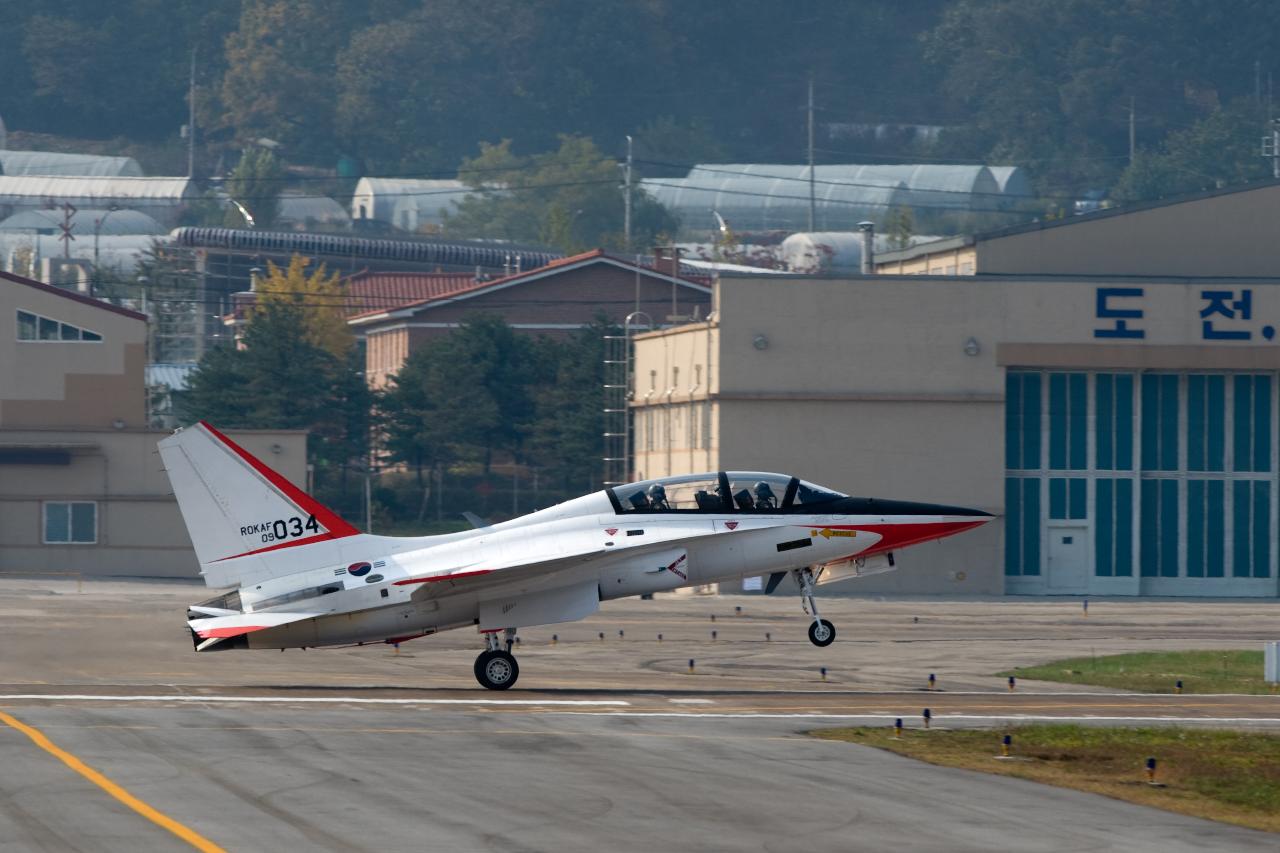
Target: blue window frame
x,y
1113,394
1251,522
1022,526
1251,437
1068,421
1113,542
1159,529
1206,537
1159,422
1022,421
1206,422
1068,498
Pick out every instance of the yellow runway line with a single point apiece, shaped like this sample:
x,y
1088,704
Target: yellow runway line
x,y
159,819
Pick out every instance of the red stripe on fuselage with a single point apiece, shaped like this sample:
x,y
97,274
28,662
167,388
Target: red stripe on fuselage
x,y
894,536
435,578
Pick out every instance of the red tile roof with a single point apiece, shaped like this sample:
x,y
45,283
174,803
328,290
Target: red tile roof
x,y
386,291
75,297
538,272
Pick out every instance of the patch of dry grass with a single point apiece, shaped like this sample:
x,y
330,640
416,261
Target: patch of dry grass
x,y
1220,775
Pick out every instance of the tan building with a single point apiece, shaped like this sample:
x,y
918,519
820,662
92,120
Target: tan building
x,y
81,487
553,300
1228,232
1123,428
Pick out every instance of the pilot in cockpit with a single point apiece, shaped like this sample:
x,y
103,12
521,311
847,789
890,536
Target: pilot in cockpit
x,y
765,498
658,498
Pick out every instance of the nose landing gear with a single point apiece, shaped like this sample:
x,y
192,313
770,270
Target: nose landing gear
x,y
821,631
496,668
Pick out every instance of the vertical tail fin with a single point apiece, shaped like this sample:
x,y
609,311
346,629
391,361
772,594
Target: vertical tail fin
x,y
245,520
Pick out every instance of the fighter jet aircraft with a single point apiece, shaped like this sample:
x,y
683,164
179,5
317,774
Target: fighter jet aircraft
x,y
304,577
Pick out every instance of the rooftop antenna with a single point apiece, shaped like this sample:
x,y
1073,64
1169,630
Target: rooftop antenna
x,y
191,118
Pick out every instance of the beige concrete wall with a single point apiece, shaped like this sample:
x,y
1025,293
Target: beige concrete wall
x,y
1229,234
675,384
962,261
70,383
140,531
865,385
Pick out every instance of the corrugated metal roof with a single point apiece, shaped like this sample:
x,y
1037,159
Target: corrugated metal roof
x,y
90,192
17,163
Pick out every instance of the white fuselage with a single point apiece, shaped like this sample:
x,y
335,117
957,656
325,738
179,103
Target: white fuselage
x,y
406,592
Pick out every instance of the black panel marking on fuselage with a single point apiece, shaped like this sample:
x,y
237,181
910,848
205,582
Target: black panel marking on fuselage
x,y
793,544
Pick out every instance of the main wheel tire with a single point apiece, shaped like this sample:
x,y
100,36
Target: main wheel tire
x,y
497,670
481,660
822,633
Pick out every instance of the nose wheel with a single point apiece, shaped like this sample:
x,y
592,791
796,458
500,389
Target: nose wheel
x,y
496,667
821,632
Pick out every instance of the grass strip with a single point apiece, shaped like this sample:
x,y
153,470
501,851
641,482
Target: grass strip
x,y
1213,671
1226,776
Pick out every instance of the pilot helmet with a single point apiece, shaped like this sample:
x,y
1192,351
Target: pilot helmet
x,y
657,493
763,490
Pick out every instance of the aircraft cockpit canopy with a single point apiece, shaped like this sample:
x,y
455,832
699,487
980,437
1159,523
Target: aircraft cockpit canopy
x,y
721,492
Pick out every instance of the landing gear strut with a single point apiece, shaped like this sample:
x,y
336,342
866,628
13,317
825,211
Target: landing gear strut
x,y
821,632
496,668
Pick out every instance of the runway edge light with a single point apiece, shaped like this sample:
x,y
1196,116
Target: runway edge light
x,y
1151,771
1013,683
933,680
927,715
1005,743
897,728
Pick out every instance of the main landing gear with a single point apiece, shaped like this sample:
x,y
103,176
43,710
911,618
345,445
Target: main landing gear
x,y
496,668
821,632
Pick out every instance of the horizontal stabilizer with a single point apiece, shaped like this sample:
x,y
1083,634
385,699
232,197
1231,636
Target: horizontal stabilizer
x,y
222,627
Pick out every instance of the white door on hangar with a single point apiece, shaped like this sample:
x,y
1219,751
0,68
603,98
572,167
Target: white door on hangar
x,y
1068,560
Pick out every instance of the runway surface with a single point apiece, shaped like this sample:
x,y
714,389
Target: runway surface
x,y
114,735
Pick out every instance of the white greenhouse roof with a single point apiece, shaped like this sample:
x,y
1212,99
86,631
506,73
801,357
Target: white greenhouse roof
x,y
380,198
20,163
93,192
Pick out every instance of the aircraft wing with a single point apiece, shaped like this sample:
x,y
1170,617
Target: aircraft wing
x,y
482,578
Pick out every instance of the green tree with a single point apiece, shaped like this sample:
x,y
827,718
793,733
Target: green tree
x,y
1218,150
280,379
567,439
256,184
465,396
570,198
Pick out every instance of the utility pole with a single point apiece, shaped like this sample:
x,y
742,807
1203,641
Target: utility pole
x,y
813,197
626,201
68,225
191,118
1133,129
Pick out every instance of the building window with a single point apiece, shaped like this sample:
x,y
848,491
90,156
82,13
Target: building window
x,y
70,522
34,327
1067,498
1068,421
1114,401
1159,528
1251,538
1022,526
1206,532
1159,422
1252,438
1022,421
1206,422
1113,544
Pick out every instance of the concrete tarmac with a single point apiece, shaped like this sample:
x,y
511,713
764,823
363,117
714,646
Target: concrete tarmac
x,y
604,745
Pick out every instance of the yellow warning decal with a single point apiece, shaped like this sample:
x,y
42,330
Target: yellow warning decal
x,y
827,533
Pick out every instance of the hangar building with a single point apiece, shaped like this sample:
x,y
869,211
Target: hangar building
x,y
1122,425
